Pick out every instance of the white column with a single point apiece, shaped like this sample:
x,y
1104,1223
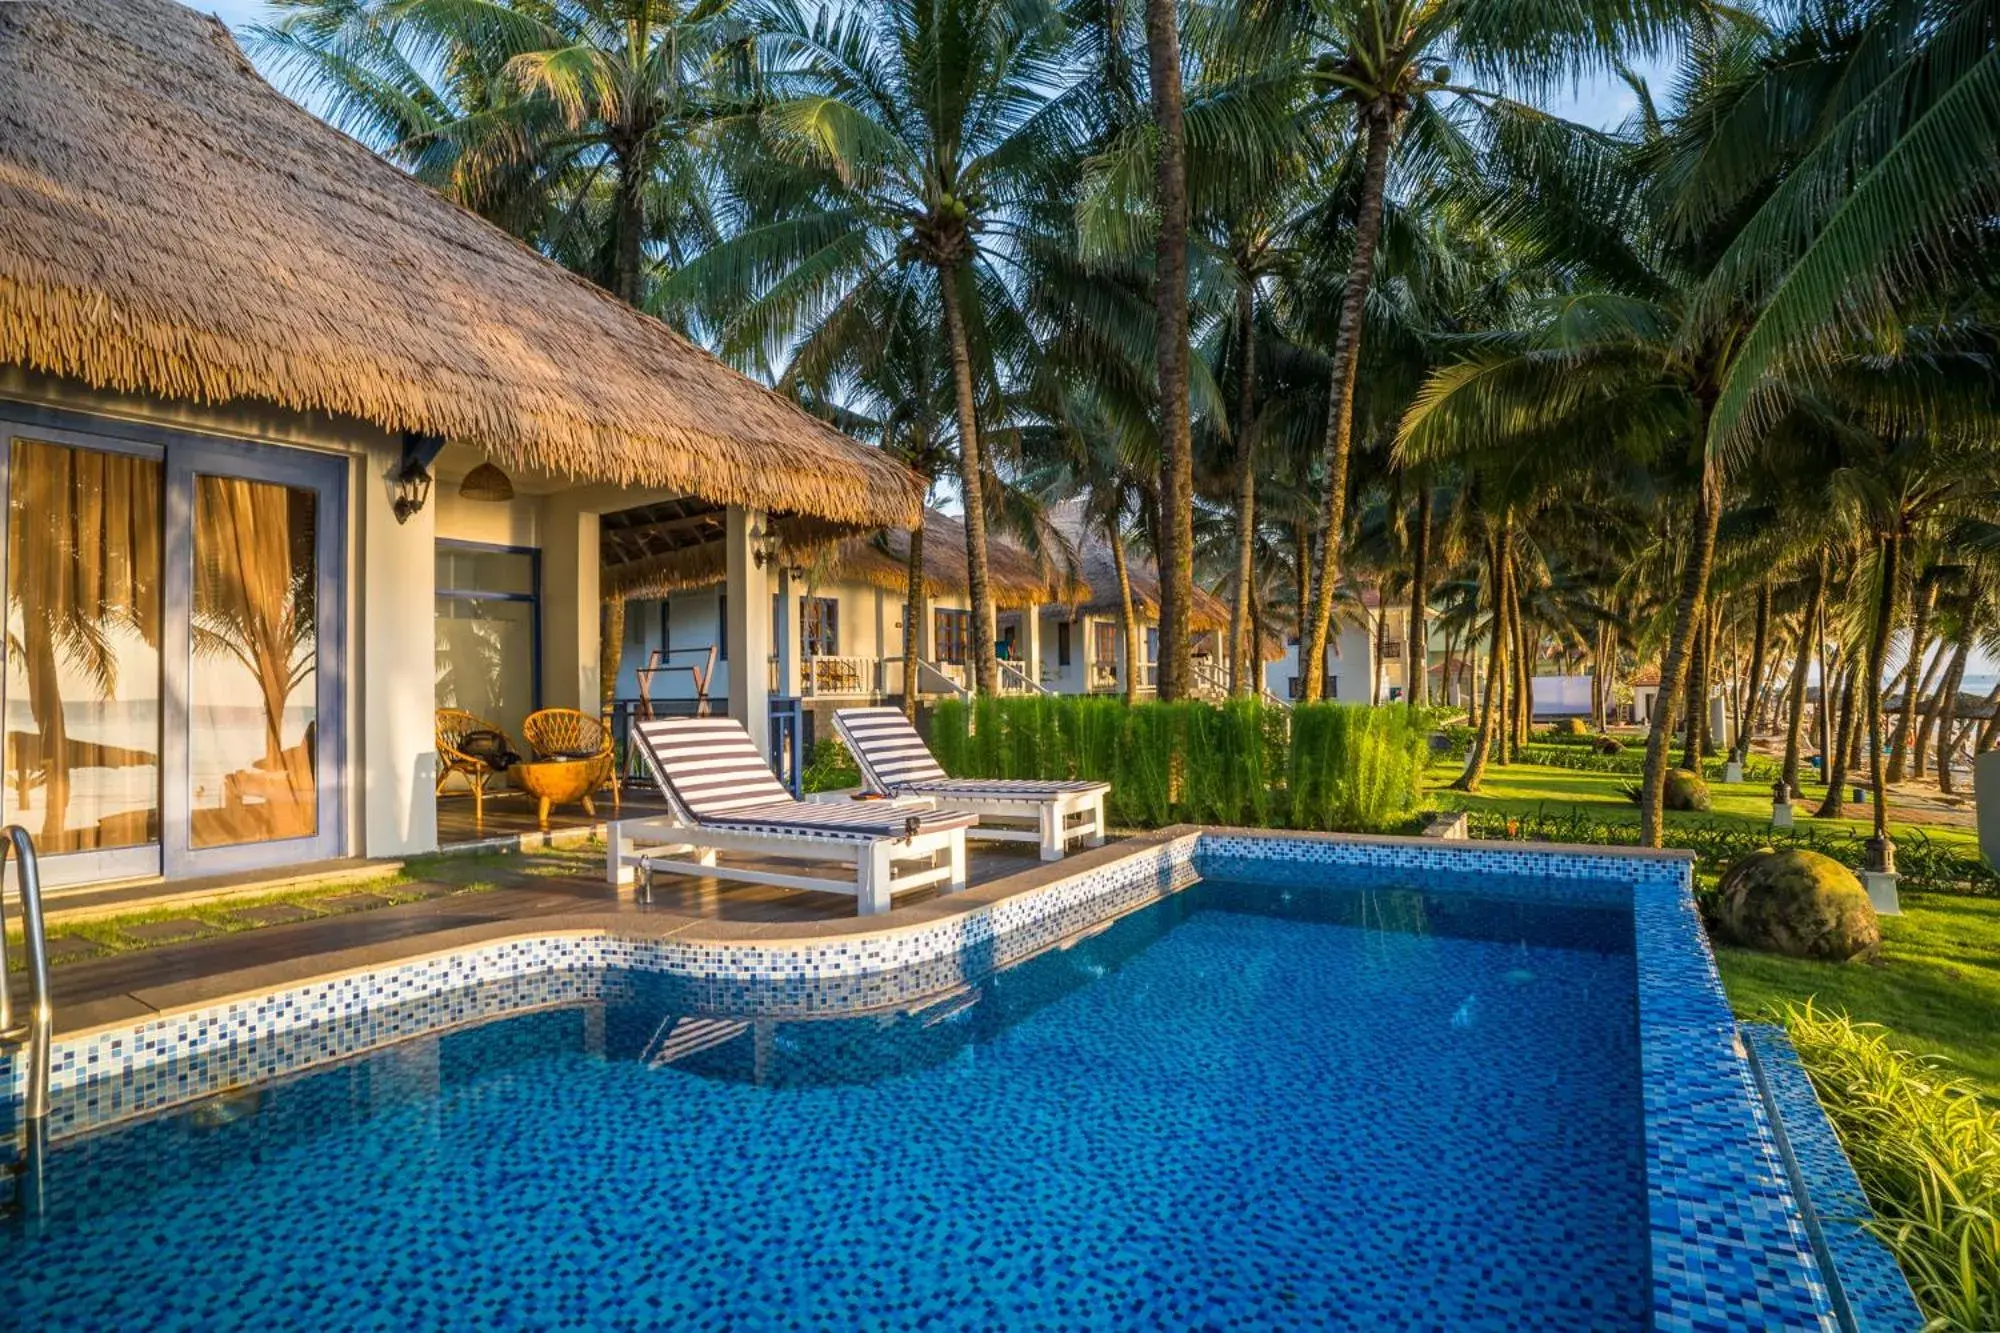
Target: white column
x,y
1031,641
748,626
393,770
571,609
788,632
880,683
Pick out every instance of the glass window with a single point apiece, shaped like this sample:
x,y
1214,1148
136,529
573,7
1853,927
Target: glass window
x,y
253,694
819,619
488,633
485,569
83,630
953,633
1107,641
1062,643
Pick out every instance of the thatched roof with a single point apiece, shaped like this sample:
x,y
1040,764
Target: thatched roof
x,y
175,227
1017,578
1097,593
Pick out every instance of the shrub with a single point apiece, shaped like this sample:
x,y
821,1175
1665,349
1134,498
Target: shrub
x,y
1927,1153
1797,903
1606,754
1686,791
1574,726
1926,865
1322,766
831,767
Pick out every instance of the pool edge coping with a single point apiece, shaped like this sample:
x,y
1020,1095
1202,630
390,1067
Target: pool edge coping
x,y
1871,1294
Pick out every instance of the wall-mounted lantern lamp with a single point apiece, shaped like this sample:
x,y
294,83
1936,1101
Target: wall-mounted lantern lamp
x,y
410,483
764,543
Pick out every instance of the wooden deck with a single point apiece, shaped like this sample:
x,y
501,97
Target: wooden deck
x,y
511,815
474,897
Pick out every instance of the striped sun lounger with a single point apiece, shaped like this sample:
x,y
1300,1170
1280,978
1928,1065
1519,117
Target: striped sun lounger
x,y
722,797
894,761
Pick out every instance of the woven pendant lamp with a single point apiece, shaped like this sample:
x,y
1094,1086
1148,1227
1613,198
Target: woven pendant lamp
x,y
486,482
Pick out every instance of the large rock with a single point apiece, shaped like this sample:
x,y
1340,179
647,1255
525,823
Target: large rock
x,y
1687,790
1798,903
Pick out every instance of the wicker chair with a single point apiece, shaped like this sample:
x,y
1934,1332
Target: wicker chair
x,y
565,733
453,726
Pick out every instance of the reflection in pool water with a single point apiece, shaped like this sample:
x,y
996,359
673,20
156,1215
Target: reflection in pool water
x,y
1242,1104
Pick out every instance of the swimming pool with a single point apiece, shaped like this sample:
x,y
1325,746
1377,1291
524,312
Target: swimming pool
x,y
1293,1093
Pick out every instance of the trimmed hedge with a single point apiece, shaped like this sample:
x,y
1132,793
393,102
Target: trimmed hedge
x,y
1926,864
1317,766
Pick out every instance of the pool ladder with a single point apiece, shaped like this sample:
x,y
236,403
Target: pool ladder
x,y
29,1033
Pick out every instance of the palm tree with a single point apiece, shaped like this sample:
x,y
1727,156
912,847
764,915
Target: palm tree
x,y
899,142
1384,59
896,390
581,125
1170,306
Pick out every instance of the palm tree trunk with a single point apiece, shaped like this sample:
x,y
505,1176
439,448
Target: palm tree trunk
x,y
1836,755
610,652
1929,690
1417,653
1801,669
1496,656
1256,649
1524,666
629,225
1381,646
1241,658
1170,305
1302,556
913,617
1989,731
1878,653
1760,635
1696,702
1947,718
1128,614
1912,675
1381,131
1674,670
972,480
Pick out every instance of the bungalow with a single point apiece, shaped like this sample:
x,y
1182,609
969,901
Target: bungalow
x,y
838,629
295,450
1367,656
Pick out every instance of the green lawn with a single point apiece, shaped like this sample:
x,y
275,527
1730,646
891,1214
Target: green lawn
x,y
1525,788
1936,985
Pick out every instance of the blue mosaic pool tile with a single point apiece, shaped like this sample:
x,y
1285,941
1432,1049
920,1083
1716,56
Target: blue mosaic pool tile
x,y
1729,1242
1869,1289
1730,1246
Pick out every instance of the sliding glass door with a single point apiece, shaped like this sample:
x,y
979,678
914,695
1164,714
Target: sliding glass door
x,y
172,684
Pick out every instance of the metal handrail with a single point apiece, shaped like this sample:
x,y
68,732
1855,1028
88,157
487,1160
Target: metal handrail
x,y
32,1033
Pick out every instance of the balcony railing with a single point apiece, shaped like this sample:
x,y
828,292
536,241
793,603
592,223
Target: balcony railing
x,y
1015,679
840,677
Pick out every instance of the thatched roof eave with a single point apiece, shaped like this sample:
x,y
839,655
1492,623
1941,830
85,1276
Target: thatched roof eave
x,y
176,228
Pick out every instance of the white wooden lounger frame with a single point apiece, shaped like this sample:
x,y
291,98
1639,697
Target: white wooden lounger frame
x,y
1062,812
680,843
